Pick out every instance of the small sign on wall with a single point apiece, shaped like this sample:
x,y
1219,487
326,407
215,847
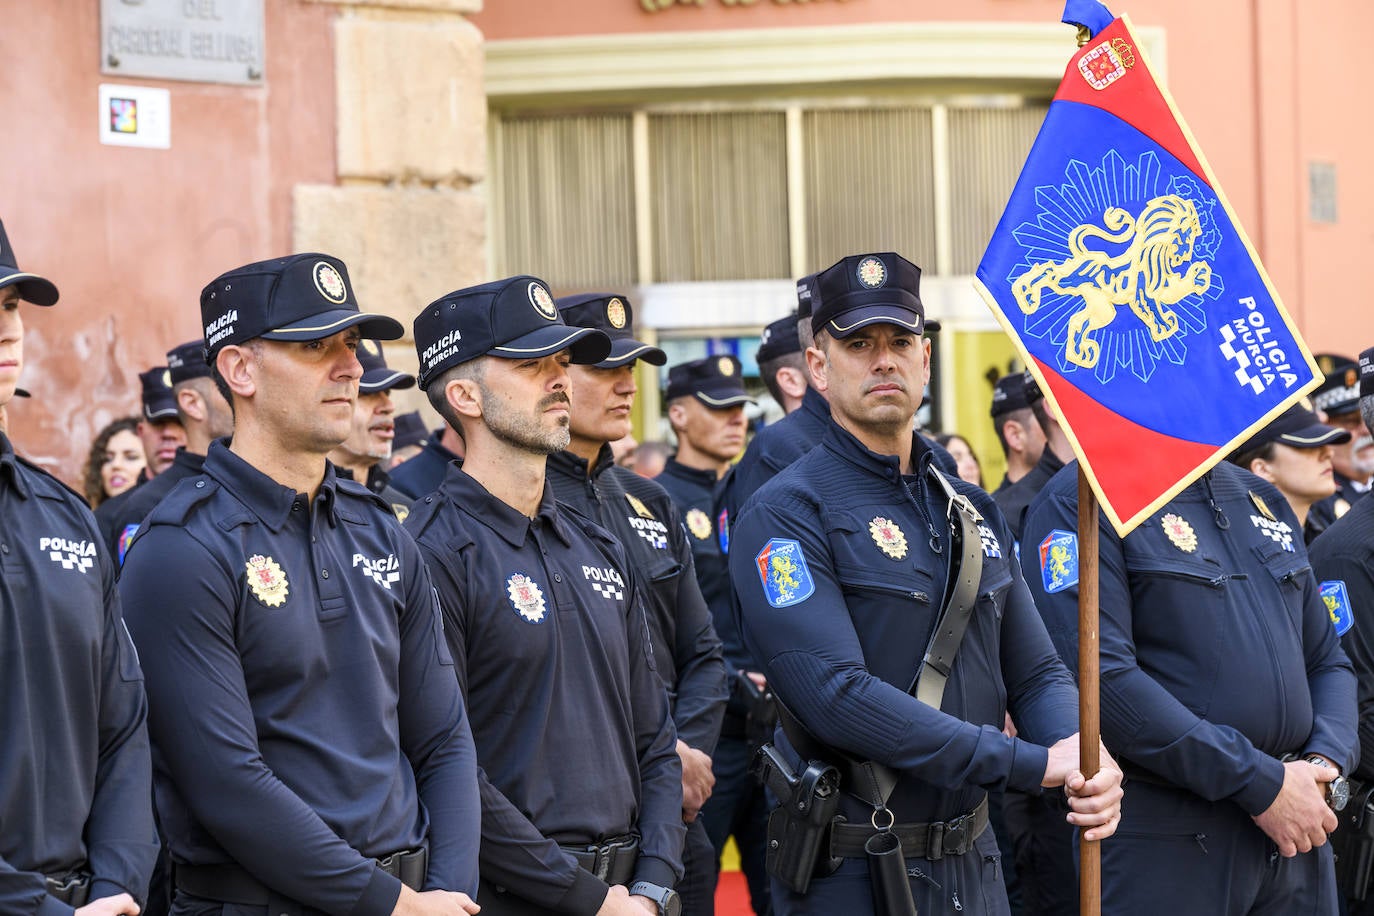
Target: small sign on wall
x,y
135,116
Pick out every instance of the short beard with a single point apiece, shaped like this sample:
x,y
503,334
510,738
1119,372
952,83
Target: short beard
x,y
1362,465
523,430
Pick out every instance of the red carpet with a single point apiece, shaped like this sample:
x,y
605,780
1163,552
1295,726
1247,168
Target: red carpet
x,y
732,895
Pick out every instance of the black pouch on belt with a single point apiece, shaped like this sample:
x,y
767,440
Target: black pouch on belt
x,y
887,873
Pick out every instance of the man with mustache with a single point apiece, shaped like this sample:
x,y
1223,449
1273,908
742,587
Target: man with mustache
x,y
546,619
76,816
311,750
160,427
1338,399
642,516
367,450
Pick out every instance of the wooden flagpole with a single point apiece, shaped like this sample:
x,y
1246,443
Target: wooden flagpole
x,y
1089,704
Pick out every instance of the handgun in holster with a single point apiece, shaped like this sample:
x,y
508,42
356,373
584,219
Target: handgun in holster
x,y
799,828
761,713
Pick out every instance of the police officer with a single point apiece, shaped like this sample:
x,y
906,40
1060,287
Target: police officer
x,y
367,450
411,436
1015,499
311,747
706,400
204,415
1224,690
640,514
76,817
1338,400
1018,431
840,564
1343,560
160,426
1293,452
782,364
581,787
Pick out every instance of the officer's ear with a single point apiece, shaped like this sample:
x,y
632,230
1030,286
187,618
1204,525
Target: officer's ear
x,y
925,350
464,397
237,365
1260,468
791,381
191,404
677,415
816,364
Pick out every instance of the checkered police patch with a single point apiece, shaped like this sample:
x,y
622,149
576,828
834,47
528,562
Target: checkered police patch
x,y
1278,532
74,555
782,568
1059,561
605,581
1337,601
991,546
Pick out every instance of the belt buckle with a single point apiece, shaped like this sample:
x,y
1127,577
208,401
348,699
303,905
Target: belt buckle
x,y
935,842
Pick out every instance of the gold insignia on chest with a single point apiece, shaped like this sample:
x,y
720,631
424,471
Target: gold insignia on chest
x,y
888,537
267,580
638,505
1179,532
698,524
1262,506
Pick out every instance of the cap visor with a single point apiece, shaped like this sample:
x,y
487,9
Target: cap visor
x,y
323,324
385,380
161,413
586,346
723,401
846,323
627,350
1315,437
32,288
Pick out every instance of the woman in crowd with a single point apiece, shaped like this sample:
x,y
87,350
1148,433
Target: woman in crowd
x,y
962,453
116,461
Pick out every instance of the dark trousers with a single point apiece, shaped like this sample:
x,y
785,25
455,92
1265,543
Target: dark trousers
x,y
698,885
1046,865
966,885
737,807
503,903
1176,854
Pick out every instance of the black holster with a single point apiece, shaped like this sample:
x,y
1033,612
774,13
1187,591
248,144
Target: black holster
x,y
72,889
1353,842
887,873
761,713
799,828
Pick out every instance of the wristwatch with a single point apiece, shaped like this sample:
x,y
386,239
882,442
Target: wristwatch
x,y
669,903
1337,790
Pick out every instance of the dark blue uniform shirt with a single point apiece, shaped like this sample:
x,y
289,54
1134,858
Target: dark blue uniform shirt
x,y
694,492
687,651
75,771
840,588
1217,653
1015,499
776,446
1343,560
572,723
119,517
425,472
304,714
1327,511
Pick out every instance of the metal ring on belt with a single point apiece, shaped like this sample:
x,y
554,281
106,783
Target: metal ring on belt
x,y
919,841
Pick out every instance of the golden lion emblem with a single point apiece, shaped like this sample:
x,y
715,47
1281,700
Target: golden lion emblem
x,y
1148,275
1059,563
785,575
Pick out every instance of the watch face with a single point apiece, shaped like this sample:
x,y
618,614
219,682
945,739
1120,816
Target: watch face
x,y
672,904
1339,793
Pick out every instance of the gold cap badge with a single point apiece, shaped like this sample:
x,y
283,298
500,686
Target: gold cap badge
x,y
615,313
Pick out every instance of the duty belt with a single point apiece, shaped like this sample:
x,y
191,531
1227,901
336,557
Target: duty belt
x,y
612,861
231,883
74,890
919,841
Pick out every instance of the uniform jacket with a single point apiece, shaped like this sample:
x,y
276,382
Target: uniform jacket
x,y
1015,498
839,587
1327,511
423,473
75,774
305,715
687,651
1217,653
548,628
119,517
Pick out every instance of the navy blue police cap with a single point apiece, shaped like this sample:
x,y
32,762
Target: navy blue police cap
x,y
1367,373
1296,427
1009,393
779,339
865,289
1339,392
715,381
159,403
808,294
611,315
32,288
514,318
187,361
296,298
377,375
410,430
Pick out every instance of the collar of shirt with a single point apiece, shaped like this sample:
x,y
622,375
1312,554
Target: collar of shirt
x,y
566,462
437,448
814,403
9,467
264,497
513,526
705,478
1049,462
844,444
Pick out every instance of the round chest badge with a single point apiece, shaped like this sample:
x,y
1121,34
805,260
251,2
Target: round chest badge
x,y
542,301
726,366
266,580
615,313
330,283
872,273
888,537
699,524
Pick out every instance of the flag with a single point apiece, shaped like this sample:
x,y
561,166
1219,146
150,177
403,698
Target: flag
x,y
1130,289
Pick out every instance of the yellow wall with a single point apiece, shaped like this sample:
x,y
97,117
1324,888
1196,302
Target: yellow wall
x,y
975,356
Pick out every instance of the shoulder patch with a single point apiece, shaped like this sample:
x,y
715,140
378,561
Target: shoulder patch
x,y
1337,601
783,571
1059,560
126,537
